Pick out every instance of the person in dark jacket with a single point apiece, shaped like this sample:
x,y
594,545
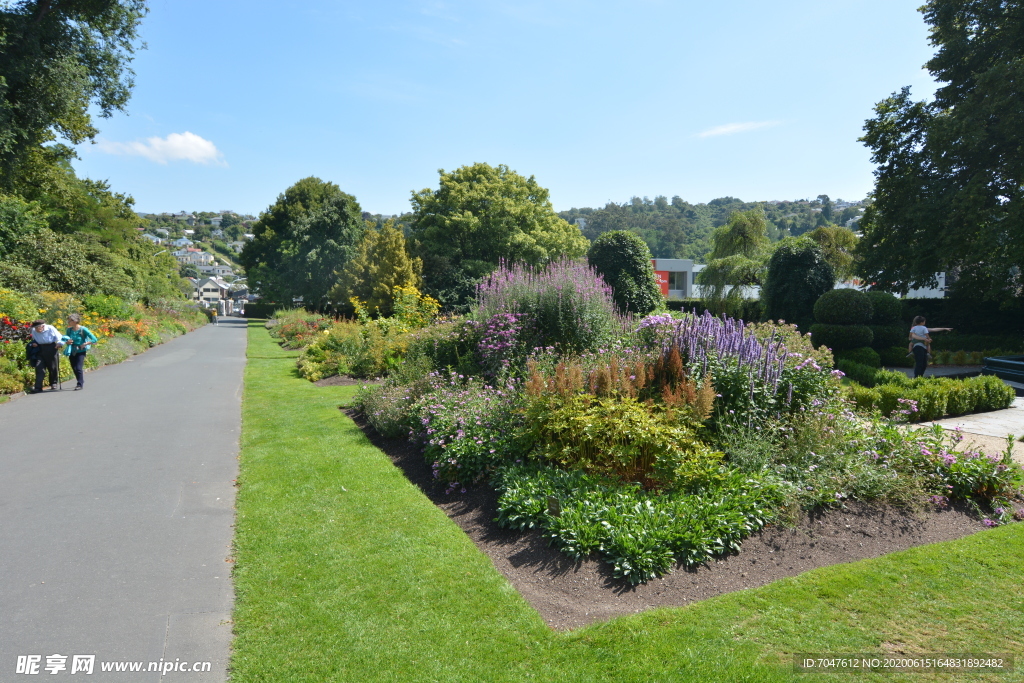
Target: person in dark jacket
x,y
46,341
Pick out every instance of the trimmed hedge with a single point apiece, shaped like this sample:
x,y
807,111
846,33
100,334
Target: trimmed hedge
x,y
839,337
861,354
886,308
863,375
952,341
932,398
896,357
843,307
964,314
261,310
887,336
752,308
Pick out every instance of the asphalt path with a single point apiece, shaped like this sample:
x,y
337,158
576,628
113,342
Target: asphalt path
x,y
116,513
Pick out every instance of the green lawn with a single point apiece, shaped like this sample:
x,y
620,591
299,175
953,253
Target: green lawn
x,y
346,572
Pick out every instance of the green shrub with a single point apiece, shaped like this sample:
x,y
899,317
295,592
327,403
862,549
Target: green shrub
x,y
995,394
886,308
843,307
866,399
895,357
624,261
932,398
840,337
887,336
891,377
17,306
619,437
863,355
858,372
110,307
640,533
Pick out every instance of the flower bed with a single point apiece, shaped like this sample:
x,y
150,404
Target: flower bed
x,y
659,442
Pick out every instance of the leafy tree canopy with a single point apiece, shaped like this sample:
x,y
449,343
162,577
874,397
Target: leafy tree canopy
x,y
798,274
950,176
300,241
56,60
738,259
381,264
839,246
481,214
624,261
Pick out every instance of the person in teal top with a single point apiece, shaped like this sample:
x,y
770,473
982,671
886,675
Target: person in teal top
x,y
81,338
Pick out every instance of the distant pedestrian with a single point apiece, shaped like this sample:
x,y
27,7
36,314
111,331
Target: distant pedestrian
x,y
46,342
81,339
214,316
921,343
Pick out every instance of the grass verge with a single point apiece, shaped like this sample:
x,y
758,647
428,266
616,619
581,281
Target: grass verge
x,y
346,572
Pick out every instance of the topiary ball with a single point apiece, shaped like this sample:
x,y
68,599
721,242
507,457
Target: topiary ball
x,y
840,337
843,307
887,309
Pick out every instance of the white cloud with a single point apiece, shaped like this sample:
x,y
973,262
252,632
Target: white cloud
x,y
175,147
733,128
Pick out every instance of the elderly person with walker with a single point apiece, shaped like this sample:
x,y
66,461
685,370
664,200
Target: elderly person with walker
x,y
46,343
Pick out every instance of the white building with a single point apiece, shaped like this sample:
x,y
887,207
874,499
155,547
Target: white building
x,y
152,238
211,290
182,242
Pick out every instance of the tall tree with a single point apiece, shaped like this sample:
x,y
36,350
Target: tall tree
x,y
381,263
839,247
58,59
798,274
481,214
300,241
950,176
738,259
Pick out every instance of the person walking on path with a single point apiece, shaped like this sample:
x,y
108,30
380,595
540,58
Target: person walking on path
x,y
921,343
81,339
46,340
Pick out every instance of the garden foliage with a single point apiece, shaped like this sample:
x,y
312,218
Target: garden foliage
x,y
668,441
623,260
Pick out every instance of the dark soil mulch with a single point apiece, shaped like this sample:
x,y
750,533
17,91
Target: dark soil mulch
x,y
569,594
343,381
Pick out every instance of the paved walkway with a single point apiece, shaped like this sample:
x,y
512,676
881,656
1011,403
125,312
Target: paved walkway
x,y
117,505
988,431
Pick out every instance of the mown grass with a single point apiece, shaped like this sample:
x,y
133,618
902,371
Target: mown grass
x,y
346,572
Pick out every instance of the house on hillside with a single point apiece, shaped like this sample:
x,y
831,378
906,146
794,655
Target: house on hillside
x,y
152,238
211,290
182,242
196,257
185,217
236,246
217,270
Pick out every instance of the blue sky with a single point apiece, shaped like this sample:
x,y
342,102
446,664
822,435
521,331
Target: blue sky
x,y
601,101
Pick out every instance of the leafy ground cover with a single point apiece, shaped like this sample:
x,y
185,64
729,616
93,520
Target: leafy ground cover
x,y
345,571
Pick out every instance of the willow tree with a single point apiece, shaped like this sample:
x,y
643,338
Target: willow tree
x,y
738,259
